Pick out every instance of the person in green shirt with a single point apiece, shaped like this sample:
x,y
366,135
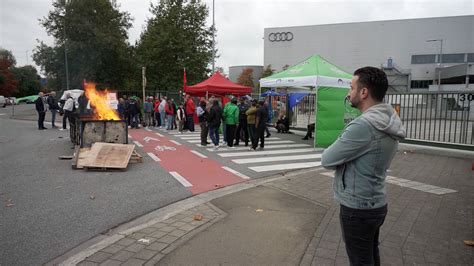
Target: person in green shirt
x,y
231,119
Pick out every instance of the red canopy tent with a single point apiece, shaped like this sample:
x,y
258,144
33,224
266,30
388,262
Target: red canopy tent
x,y
217,85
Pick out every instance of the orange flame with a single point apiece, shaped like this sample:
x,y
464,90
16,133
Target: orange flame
x,y
99,100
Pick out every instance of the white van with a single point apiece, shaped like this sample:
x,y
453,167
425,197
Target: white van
x,y
3,101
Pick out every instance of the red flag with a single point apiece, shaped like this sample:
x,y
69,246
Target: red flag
x,y
184,81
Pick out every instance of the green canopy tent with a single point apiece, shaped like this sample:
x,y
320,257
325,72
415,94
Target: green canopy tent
x,y
330,84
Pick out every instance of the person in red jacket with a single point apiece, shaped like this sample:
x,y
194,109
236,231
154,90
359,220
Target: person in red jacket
x,y
189,109
169,109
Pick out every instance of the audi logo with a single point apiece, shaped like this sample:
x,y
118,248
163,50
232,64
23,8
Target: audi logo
x,y
280,36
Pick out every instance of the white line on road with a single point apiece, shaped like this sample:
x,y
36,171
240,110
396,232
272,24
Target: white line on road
x,y
189,138
175,142
267,147
159,135
199,154
154,157
278,141
181,179
288,166
185,134
276,159
260,153
402,182
235,172
147,129
137,143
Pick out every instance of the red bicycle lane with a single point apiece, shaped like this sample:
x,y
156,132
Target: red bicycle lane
x,y
197,174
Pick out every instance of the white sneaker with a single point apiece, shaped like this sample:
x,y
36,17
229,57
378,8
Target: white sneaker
x,y
61,129
216,147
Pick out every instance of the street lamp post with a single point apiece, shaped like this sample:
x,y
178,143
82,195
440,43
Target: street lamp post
x,y
213,38
440,59
65,47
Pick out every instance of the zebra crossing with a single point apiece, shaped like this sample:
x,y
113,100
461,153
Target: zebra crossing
x,y
278,155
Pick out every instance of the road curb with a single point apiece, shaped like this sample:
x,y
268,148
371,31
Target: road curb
x,y
97,243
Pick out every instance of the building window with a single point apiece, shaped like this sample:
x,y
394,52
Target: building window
x,y
470,58
453,58
421,84
423,59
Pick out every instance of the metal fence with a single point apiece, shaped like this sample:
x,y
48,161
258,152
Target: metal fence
x,y
436,117
429,116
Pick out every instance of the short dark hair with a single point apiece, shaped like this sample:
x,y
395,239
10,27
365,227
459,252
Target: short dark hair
x,y
374,79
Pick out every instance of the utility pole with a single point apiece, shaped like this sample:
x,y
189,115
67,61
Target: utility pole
x,y
143,82
213,37
65,46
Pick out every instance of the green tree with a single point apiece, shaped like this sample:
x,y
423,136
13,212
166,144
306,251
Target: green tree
x,y
246,77
94,35
28,81
8,84
176,37
267,71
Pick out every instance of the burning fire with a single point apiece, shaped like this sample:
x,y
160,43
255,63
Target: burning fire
x,y
100,101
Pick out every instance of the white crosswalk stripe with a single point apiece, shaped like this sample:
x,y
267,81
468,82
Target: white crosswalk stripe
x,y
277,158
279,154
277,146
260,153
289,166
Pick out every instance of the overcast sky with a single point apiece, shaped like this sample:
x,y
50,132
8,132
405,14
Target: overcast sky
x,y
239,23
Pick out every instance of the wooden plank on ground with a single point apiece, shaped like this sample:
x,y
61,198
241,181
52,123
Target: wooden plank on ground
x,y
109,156
82,156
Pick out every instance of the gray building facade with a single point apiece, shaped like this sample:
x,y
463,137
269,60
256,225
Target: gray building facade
x,y
408,50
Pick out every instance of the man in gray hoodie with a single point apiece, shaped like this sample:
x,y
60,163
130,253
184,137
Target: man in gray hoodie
x,y
361,156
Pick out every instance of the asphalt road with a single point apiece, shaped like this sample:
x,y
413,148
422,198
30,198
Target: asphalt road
x,y
53,211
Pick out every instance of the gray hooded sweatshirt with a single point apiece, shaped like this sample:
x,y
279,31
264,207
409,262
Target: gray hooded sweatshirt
x,y
361,156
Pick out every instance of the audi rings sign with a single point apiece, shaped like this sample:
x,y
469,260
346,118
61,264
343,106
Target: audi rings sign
x,y
280,36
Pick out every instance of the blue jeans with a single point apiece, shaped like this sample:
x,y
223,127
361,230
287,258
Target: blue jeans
x,y
251,128
135,120
360,232
214,135
170,122
163,118
53,117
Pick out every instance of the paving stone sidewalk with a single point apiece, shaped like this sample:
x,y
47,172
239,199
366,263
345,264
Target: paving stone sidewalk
x,y
421,227
149,245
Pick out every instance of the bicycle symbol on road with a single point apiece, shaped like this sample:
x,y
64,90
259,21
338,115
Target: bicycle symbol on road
x,y
147,139
165,148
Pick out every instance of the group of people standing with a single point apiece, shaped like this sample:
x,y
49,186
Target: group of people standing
x,y
65,107
240,121
161,112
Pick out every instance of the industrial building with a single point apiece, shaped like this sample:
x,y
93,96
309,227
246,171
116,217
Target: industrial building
x,y
415,53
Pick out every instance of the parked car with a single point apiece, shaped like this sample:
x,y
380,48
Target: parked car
x,y
27,99
3,101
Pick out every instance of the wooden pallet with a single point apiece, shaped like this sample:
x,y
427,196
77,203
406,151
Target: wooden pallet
x,y
104,157
136,157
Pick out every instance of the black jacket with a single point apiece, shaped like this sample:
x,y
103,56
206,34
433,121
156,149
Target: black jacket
x,y
215,116
53,104
40,105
